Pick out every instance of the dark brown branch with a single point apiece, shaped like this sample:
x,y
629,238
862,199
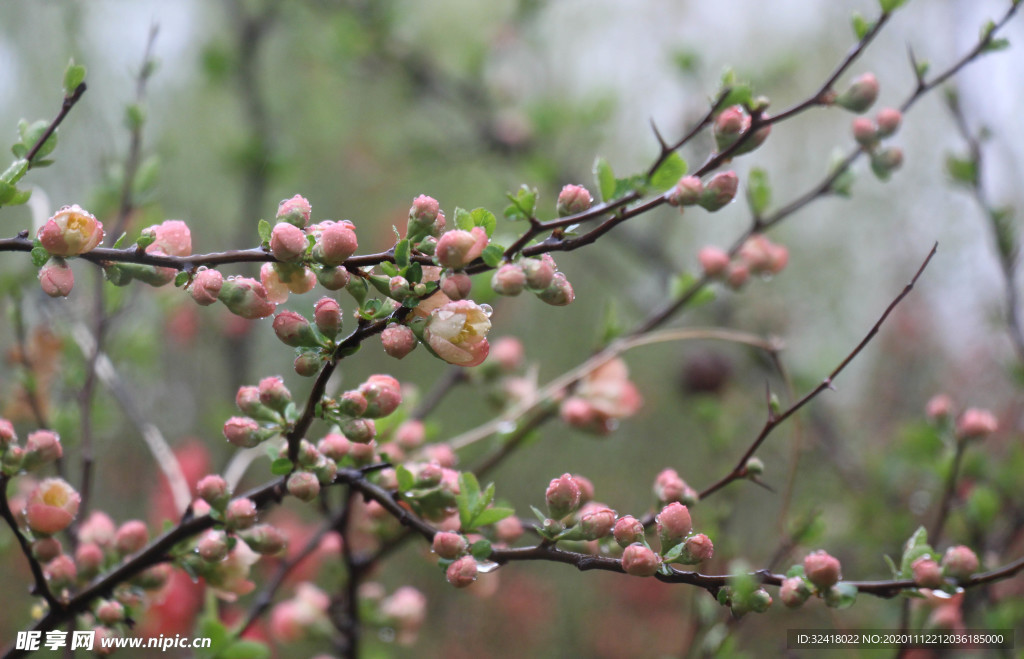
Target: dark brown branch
x,y
65,107
40,588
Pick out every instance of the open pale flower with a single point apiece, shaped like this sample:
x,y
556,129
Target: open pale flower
x,y
603,395
457,332
70,232
52,506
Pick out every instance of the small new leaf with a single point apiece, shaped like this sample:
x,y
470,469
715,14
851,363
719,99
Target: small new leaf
x,y
493,255
861,26
264,230
406,480
484,218
402,254
74,74
281,467
605,179
39,256
180,279
669,172
480,550
524,203
889,6
962,170
759,192
463,219
492,515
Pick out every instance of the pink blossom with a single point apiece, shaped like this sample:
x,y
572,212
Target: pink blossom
x,y
462,572
573,199
406,609
172,238
70,232
457,249
822,569
975,423
246,297
230,577
287,242
939,407
457,332
280,279
383,395
295,211
56,278
335,241
640,561
206,286
398,341
602,397
131,537
52,506
713,261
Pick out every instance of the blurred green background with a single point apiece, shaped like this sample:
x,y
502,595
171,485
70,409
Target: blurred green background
x,y
362,105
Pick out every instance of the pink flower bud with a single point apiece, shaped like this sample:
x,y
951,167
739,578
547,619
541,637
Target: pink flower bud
x,y
280,279
46,549
449,545
213,489
586,488
822,569
687,192
794,592
430,475
131,537
359,431
42,447
885,161
352,403
563,496
265,539
457,332
539,272
668,486
242,431
559,292
248,400
729,125
597,522
714,261
462,572
398,340
56,278
89,559
976,423
759,601
762,256
335,242
508,530
333,278
960,562
206,286
303,485
719,191
674,524
307,364
456,285
383,395
97,528
864,131
61,572
7,434
628,530
274,394
240,514
888,120
573,199
52,506
860,95
507,352
246,297
697,549
171,237
640,561
327,316
110,612
457,249
425,217
939,407
334,446
405,609
70,232
927,573
737,275
287,242
294,330
509,279
213,546
295,211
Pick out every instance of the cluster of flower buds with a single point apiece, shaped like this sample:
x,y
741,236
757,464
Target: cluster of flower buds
x,y
679,544
71,231
819,574
758,255
425,219
601,398
315,340
669,487
301,617
711,196
972,423
41,448
731,124
267,403
539,276
869,134
169,238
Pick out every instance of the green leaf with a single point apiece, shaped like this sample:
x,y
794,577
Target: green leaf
x,y
795,571
19,150
145,240
962,170
841,596
493,255
739,94
20,197
74,74
759,191
180,279
245,649
524,203
464,219
605,178
892,566
539,514
357,288
281,467
674,553
264,230
481,549
484,218
134,116
681,285
492,515
39,256
389,269
15,171
996,45
982,506
402,254
623,186
915,547
7,191
922,68
889,6
669,172
861,26
611,326
1005,230
406,481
